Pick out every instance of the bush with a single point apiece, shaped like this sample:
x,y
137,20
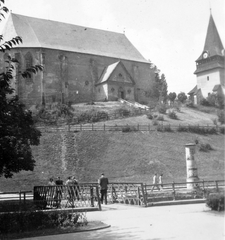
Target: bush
x,y
172,115
91,116
129,129
190,104
160,118
161,108
155,122
28,221
204,102
222,130
149,115
215,201
205,147
182,128
167,128
123,112
221,116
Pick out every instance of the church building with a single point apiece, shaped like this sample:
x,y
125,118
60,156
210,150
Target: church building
x,y
81,64
210,70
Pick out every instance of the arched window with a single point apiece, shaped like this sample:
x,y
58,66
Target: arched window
x,y
28,60
28,64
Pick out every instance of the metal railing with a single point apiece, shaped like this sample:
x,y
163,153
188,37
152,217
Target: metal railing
x,y
180,191
78,196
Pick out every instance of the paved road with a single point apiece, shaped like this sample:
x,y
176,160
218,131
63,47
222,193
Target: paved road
x,y
177,222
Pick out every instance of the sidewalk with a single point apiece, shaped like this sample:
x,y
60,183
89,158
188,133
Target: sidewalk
x,y
177,222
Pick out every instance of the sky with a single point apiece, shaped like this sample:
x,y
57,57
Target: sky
x,y
169,33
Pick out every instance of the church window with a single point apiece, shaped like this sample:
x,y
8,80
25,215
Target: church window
x,y
112,89
207,78
43,58
28,60
120,75
86,83
129,91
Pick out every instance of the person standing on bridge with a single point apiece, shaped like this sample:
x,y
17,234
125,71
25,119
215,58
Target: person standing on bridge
x,y
155,182
103,183
161,181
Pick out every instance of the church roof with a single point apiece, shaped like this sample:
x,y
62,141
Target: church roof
x,y
41,33
213,43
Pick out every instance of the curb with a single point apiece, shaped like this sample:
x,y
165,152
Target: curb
x,y
176,202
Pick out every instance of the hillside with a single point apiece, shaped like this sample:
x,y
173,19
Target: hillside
x,y
133,156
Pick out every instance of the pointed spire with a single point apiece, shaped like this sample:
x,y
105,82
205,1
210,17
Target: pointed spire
x,y
213,44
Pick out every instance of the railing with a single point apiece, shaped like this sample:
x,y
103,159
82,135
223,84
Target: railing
x,y
78,196
161,127
86,195
127,193
179,191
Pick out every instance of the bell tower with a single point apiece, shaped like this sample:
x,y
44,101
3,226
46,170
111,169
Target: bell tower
x,y
210,64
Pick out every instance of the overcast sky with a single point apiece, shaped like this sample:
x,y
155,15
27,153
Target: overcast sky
x,y
170,33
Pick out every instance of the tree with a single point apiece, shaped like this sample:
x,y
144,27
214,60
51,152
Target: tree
x,y
17,130
182,97
172,96
159,87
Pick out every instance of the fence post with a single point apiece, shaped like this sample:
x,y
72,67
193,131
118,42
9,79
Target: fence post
x,y
24,198
149,127
92,196
104,126
92,126
20,199
203,187
174,192
144,193
138,196
99,202
138,127
80,127
69,127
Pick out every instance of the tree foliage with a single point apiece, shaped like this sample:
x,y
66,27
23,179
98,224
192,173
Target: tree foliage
x,y
182,97
159,87
172,96
17,130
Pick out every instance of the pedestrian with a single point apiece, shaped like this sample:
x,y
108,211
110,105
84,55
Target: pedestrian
x,y
161,181
51,182
155,182
76,187
103,183
59,191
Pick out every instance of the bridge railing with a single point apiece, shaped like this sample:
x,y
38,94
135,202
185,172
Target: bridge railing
x,y
77,196
180,191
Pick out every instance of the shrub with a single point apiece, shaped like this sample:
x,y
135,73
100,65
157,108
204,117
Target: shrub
x,y
221,116
149,115
190,104
160,118
160,128
161,108
129,129
123,112
204,102
222,130
27,221
167,128
91,116
215,201
172,115
155,122
182,128
205,147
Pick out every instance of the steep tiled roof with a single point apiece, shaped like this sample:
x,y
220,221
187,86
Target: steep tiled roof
x,y
193,91
57,35
213,43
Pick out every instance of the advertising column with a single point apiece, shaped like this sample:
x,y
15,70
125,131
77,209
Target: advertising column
x,y
191,166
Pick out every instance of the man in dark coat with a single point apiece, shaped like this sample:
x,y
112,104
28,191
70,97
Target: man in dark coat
x,y
103,183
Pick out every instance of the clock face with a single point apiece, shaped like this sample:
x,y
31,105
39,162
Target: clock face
x,y
205,55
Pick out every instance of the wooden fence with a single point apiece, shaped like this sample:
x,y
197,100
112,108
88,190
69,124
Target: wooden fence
x,y
161,127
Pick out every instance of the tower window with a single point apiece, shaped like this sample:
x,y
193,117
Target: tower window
x,y
207,78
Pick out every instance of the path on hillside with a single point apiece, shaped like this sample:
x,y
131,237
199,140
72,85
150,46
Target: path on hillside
x,y
181,222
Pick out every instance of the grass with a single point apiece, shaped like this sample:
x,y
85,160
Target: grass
x,y
132,156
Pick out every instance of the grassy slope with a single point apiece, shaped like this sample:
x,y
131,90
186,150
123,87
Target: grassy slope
x,y
129,157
